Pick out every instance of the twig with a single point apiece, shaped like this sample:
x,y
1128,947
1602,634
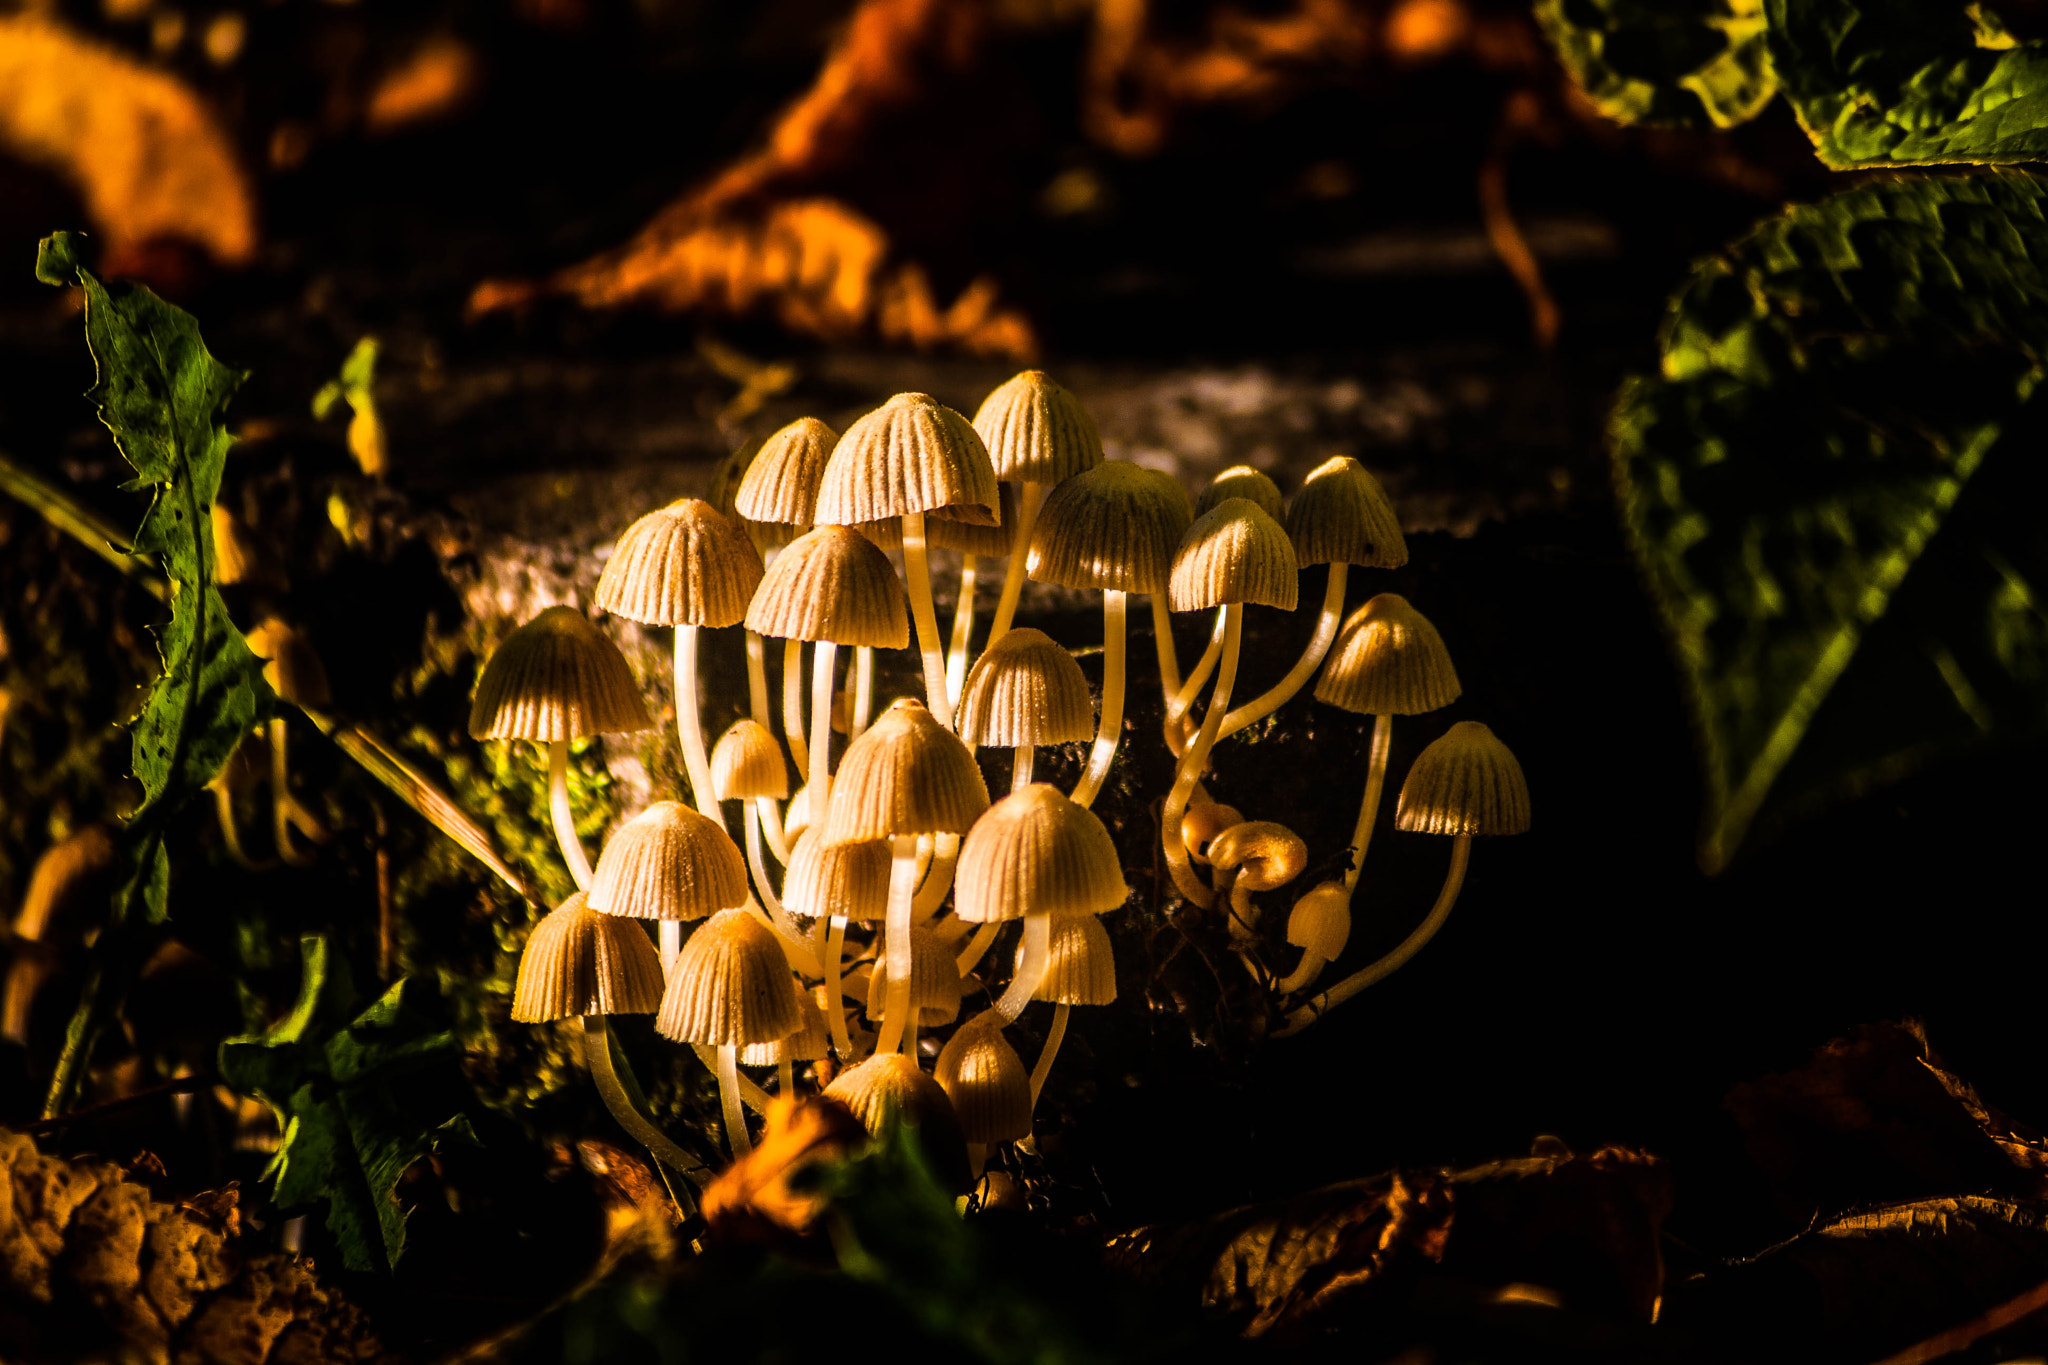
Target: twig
x,y
177,1086
1976,1329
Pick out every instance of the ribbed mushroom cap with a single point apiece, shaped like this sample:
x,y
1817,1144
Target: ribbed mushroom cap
x,y
1080,969
1036,852
1388,660
668,862
682,564
1240,481
934,981
747,762
730,986
889,1086
949,533
1465,783
832,584
906,774
1321,921
1025,689
912,454
1233,553
810,1041
987,1081
1037,432
837,879
66,890
1265,854
577,961
556,678
290,666
1115,526
781,485
1341,516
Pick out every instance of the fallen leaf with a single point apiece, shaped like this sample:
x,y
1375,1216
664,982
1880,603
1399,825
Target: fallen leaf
x,y
761,1194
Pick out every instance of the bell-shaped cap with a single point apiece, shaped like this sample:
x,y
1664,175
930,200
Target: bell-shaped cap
x,y
556,678
1240,481
668,862
832,584
747,763
1079,967
682,565
947,532
934,981
1037,852
1036,431
912,454
837,879
1115,526
906,774
290,666
781,485
1025,689
1233,553
1321,921
1265,854
730,986
810,1041
580,962
889,1087
1341,516
987,1081
1465,783
1388,660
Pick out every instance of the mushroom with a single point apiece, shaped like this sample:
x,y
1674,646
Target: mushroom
x,y
988,1084
910,457
555,679
730,987
833,884
1465,785
669,864
777,499
748,767
295,673
809,1043
1241,481
1037,435
1319,925
889,1089
934,988
970,542
1025,691
1203,822
1264,855
1079,970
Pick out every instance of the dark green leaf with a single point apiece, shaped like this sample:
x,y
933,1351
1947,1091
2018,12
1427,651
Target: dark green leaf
x,y
1685,62
1834,490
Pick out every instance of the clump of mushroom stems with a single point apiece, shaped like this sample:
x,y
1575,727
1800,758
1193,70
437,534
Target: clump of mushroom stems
x,y
917,572
1305,667
597,1053
1109,727
1189,774
1183,699
1037,949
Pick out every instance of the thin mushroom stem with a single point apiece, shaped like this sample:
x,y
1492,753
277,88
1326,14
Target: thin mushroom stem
x,y
1299,1019
795,948
1053,1037
690,725
597,1051
1030,497
938,876
1304,668
963,630
1183,700
1030,967
757,680
231,833
978,946
771,826
281,794
785,1075
823,654
1304,974
863,691
835,1009
1193,761
931,645
1021,763
1109,727
910,1035
793,703
1163,647
1369,807
736,1135
564,818
896,942
751,1095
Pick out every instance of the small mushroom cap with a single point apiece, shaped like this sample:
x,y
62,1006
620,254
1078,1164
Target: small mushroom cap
x,y
796,816
1266,854
730,986
1025,689
668,862
556,678
888,1088
912,454
1037,852
1234,552
947,532
681,565
1036,431
810,1041
987,1081
1321,921
832,584
1240,481
747,762
1203,822
64,891
837,879
934,981
906,774
290,666
1341,515
781,485
1115,526
1465,783
1388,660
577,961
1080,969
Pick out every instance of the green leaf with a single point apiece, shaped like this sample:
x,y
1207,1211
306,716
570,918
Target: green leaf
x,y
1688,63
1834,491
349,1130
1910,82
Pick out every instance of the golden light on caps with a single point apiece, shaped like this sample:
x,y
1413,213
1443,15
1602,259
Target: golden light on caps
x,y
1026,689
747,763
1233,553
912,454
1037,852
781,485
1265,854
1388,660
1341,515
809,1043
1240,481
1079,966
1116,526
1467,782
832,584
1203,822
906,774
556,678
668,862
988,1083
1321,920
730,986
290,666
889,1087
837,879
580,962
934,981
945,531
683,564
1036,431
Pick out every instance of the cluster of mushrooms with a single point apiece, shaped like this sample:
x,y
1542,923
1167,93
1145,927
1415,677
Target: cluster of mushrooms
x,y
876,890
